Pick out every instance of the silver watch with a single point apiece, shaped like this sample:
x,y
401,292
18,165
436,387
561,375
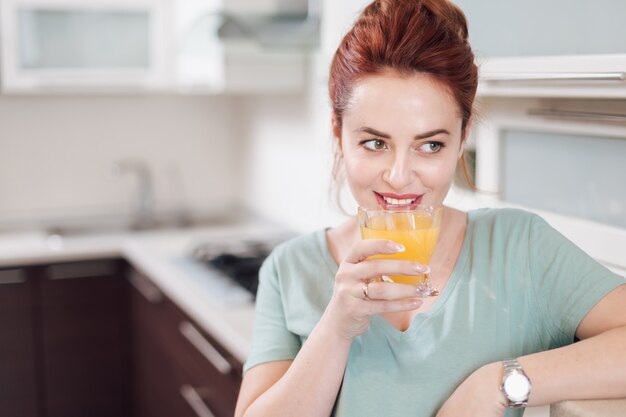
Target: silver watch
x,y
516,385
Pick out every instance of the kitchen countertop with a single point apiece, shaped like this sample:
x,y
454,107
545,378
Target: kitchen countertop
x,y
215,302
589,408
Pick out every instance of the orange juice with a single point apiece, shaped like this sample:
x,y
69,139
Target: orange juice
x,y
417,231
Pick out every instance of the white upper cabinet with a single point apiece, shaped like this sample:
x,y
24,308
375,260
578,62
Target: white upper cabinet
x,y
189,46
266,7
262,48
556,48
74,45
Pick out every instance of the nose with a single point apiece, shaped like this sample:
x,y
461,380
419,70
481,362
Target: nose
x,y
401,174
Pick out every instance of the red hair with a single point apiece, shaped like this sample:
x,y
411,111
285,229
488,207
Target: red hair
x,y
425,36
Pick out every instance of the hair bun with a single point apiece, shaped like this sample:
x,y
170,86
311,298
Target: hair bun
x,y
444,10
449,13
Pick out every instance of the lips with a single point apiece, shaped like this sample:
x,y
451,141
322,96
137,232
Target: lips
x,y
390,201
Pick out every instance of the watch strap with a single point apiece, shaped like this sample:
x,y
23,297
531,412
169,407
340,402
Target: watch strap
x,y
513,366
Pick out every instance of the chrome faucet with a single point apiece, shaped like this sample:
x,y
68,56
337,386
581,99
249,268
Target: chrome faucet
x,y
144,205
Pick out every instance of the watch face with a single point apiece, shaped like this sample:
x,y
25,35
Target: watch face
x,y
516,387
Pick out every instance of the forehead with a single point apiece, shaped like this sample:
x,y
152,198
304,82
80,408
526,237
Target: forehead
x,y
391,98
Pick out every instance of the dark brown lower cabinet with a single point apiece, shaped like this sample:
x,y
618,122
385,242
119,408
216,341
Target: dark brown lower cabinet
x,y
65,340
77,340
86,339
179,369
18,376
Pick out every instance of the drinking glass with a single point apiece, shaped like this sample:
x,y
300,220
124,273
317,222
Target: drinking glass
x,y
415,228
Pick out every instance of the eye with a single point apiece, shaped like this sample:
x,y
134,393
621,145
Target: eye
x,y
374,144
431,147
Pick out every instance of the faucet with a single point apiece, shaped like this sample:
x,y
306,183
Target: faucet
x,y
144,204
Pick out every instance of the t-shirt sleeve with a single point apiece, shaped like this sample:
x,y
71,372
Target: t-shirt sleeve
x,y
567,281
271,339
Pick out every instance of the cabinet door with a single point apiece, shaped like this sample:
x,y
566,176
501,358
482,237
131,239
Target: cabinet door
x,y
179,369
214,375
91,45
537,27
86,339
156,375
18,387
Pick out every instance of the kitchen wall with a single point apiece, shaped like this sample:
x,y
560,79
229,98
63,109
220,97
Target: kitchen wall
x,y
288,162
58,153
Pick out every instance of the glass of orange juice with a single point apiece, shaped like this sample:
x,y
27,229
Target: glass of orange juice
x,y
415,228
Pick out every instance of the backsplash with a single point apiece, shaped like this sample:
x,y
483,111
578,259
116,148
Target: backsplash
x,y
58,155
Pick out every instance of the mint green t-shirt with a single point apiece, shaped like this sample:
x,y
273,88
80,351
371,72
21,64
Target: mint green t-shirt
x,y
518,287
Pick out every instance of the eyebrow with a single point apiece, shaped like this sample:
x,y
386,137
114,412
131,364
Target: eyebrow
x,y
387,136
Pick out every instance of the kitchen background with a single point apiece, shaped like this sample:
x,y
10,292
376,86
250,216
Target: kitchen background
x,y
207,153
225,130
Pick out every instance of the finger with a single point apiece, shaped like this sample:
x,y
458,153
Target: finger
x,y
373,268
390,291
365,248
391,306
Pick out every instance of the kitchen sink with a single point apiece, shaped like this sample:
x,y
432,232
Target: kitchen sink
x,y
115,228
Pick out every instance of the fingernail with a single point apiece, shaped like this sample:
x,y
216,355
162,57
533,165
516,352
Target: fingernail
x,y
396,247
422,269
385,278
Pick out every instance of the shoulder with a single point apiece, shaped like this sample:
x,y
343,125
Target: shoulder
x,y
300,271
505,229
297,247
300,252
504,218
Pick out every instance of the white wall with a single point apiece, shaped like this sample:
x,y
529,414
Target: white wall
x,y
57,154
288,163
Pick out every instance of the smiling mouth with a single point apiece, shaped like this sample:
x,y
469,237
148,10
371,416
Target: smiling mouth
x,y
390,201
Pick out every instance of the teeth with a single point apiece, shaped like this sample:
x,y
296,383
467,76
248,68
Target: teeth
x,y
400,202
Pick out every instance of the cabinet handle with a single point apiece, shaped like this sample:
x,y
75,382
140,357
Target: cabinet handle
x,y
148,290
205,347
12,276
553,76
195,401
579,115
81,270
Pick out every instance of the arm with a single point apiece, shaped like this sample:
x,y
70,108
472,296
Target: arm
x,y
275,388
593,368
565,282
308,385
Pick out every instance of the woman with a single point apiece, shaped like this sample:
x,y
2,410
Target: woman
x,y
402,84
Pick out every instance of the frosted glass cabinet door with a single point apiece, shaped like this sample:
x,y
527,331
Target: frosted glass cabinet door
x,y
574,175
505,28
65,38
53,46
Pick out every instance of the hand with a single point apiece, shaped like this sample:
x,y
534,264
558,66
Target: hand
x,y
478,396
349,309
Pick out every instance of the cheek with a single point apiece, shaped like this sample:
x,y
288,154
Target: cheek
x,y
360,171
438,174
361,175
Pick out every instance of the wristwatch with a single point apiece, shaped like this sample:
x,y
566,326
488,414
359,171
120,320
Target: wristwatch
x,y
516,385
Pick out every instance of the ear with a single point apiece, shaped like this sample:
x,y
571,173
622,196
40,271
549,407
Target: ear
x,y
336,127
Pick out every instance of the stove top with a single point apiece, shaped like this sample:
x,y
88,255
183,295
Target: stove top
x,y
238,259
